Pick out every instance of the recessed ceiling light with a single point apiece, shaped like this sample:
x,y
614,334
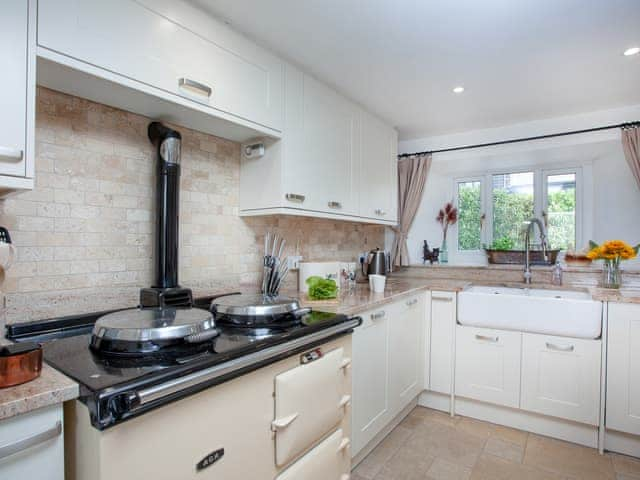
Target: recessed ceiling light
x,y
458,89
631,51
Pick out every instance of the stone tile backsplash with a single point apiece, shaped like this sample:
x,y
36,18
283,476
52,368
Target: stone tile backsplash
x,y
85,233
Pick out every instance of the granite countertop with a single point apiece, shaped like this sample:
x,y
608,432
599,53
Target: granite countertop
x,y
623,295
49,388
361,298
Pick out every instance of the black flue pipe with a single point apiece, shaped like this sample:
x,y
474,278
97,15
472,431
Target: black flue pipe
x,y
167,143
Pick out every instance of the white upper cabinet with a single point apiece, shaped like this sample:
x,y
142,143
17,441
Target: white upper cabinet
x,y
378,169
16,98
170,48
331,148
319,167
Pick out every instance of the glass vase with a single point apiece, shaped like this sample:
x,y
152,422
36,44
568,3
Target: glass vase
x,y
611,276
444,252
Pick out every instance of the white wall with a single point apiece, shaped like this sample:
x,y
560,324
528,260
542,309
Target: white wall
x,y
611,196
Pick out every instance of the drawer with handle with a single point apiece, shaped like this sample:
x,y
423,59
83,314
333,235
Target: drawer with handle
x,y
310,401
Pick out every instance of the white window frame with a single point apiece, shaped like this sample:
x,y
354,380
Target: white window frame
x,y
540,175
483,209
577,171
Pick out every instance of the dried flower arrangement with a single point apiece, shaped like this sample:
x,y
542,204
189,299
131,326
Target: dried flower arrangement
x,y
448,215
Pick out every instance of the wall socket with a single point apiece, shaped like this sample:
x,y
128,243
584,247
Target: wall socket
x,y
293,262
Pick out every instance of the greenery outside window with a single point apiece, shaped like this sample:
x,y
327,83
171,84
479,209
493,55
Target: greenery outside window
x,y
508,199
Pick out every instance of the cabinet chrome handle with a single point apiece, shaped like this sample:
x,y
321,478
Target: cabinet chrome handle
x,y
294,197
412,302
486,338
560,348
11,154
378,315
192,86
380,212
32,441
441,299
334,204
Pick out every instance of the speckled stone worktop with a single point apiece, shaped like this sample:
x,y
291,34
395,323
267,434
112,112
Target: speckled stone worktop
x,y
49,388
361,298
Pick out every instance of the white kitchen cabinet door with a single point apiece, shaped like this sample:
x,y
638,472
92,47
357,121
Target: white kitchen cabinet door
x,y
623,368
32,445
561,377
370,377
13,94
443,321
406,340
378,178
488,365
331,131
145,41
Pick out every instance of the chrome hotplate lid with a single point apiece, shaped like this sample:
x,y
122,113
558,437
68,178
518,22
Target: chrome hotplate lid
x,y
257,305
153,324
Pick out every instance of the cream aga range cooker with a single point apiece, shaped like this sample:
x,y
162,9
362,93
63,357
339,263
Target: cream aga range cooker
x,y
247,387
266,401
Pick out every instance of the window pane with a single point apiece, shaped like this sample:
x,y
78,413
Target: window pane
x,y
512,206
469,216
561,210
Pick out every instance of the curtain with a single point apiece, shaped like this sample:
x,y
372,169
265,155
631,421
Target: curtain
x,y
631,147
412,177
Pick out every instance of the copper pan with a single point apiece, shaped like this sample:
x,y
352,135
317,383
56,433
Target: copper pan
x,y
19,363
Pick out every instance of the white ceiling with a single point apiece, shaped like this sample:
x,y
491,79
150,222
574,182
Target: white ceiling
x,y
518,60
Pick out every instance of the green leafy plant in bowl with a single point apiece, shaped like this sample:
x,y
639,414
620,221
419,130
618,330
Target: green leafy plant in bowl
x,y
321,288
504,243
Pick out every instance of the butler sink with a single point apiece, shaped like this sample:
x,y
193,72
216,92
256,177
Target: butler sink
x,y
551,312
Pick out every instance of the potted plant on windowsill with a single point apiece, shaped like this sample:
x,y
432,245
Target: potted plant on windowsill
x,y
502,252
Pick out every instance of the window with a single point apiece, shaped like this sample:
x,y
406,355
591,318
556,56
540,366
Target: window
x,y
508,199
560,210
512,201
469,215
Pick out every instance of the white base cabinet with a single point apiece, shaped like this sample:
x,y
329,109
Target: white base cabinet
x,y
443,324
488,365
561,377
388,365
32,445
623,368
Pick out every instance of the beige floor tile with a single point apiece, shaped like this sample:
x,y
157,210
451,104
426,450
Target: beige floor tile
x,y
380,455
510,435
440,417
567,459
406,464
444,470
489,467
503,449
446,443
624,476
626,465
474,427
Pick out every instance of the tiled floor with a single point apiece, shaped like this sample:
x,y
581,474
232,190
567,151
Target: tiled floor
x,y
430,445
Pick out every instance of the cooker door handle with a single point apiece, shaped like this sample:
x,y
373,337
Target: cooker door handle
x,y
345,476
282,423
344,401
346,363
344,444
